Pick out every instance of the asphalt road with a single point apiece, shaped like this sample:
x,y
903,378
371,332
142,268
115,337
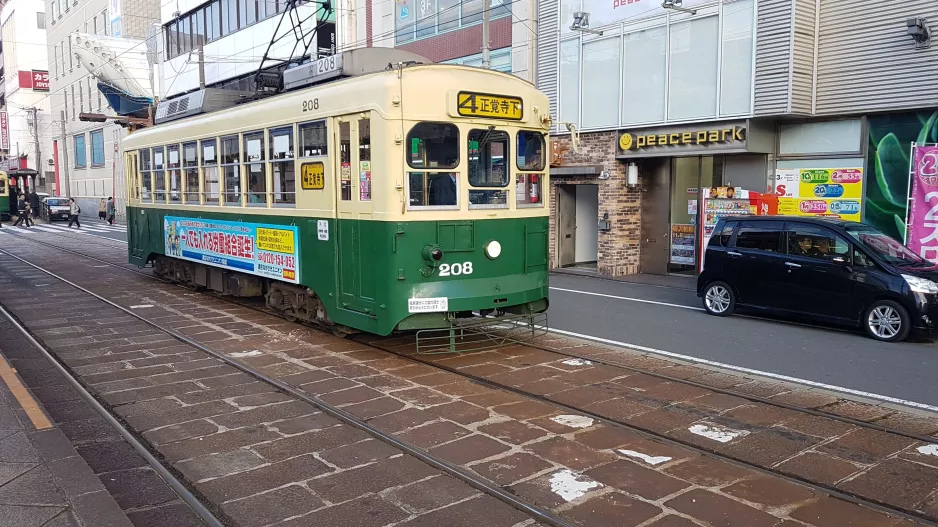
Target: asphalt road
x,y
671,320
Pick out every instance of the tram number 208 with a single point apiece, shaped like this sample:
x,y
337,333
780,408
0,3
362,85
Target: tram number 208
x,y
455,269
310,105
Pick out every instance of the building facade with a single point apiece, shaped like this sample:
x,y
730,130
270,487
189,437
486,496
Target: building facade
x,y
735,93
24,115
84,156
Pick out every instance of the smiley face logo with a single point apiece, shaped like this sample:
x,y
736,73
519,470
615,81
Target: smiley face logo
x,y
625,142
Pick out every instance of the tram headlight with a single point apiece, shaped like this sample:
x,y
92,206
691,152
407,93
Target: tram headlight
x,y
431,253
493,249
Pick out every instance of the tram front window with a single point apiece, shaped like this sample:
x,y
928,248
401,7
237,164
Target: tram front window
x,y
488,167
431,147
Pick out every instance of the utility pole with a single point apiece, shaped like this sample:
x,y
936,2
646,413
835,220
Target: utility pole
x,y
35,120
65,176
486,59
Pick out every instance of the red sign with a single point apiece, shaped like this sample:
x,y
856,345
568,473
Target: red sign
x,y
40,80
4,132
36,79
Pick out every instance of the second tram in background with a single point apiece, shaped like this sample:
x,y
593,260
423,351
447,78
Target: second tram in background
x,y
377,194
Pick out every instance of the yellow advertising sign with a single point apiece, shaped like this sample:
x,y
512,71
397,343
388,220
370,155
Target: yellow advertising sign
x,y
275,240
470,104
847,209
835,192
313,176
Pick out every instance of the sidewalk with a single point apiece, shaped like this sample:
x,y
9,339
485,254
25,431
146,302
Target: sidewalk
x,y
43,480
672,280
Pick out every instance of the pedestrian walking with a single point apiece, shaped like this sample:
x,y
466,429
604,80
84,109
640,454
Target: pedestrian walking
x,y
102,207
111,210
74,211
23,208
34,203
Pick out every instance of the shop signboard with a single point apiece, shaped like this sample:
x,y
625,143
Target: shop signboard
x,y
271,251
833,192
723,137
4,132
922,224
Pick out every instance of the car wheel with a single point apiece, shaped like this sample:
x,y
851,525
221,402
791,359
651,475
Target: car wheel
x,y
719,299
887,321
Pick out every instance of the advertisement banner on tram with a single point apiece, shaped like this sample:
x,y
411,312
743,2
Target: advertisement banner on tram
x,y
271,251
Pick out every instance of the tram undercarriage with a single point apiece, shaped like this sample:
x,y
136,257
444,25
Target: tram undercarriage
x,y
296,303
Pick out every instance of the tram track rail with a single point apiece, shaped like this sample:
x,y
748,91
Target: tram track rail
x,y
480,484
658,436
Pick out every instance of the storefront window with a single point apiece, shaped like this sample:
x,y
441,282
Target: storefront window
x,y
736,67
601,93
645,66
819,137
694,58
425,18
570,81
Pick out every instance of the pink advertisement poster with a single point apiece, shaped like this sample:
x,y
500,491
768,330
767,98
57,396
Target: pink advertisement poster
x,y
922,235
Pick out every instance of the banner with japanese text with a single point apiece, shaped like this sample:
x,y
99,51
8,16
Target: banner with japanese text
x,y
271,251
922,232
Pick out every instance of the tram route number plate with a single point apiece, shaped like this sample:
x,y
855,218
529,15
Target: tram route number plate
x,y
470,104
428,305
313,176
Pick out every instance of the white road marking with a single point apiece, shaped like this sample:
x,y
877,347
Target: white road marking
x,y
242,354
577,362
651,460
573,421
141,306
717,432
786,378
631,299
928,450
100,266
570,486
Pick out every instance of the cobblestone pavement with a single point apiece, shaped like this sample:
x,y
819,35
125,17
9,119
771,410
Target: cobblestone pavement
x,y
43,480
264,457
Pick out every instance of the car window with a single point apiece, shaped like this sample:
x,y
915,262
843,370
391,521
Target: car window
x,y
759,235
862,260
722,238
812,241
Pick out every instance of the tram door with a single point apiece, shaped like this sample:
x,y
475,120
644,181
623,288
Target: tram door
x,y
355,228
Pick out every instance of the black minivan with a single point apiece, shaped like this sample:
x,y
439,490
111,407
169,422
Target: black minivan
x,y
824,269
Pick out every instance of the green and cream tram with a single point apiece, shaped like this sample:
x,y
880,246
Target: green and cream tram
x,y
391,198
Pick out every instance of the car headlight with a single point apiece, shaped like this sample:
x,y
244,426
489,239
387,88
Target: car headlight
x,y
920,285
493,249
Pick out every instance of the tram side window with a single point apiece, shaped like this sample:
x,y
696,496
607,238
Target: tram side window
x,y
210,187
190,162
431,147
488,167
159,176
530,157
175,176
254,168
231,168
146,183
313,139
282,166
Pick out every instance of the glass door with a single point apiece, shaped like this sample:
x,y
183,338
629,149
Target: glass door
x,y
688,176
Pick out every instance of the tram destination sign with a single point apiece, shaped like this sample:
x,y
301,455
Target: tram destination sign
x,y
313,176
470,104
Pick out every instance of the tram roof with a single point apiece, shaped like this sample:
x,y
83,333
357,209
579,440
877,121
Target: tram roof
x,y
356,94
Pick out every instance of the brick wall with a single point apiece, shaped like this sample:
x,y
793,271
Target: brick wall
x,y
462,42
619,247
